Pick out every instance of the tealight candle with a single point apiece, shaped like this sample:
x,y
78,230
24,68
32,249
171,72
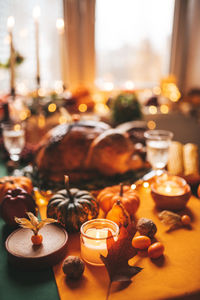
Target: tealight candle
x,y
170,192
170,185
170,188
94,234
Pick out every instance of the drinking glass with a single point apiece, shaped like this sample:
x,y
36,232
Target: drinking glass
x,y
14,140
158,143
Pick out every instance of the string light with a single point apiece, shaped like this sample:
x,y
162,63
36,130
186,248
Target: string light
x,y
133,186
164,109
151,124
82,107
62,120
145,184
157,90
152,109
52,107
17,127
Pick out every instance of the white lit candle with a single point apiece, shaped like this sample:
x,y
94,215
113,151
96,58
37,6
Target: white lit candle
x,y
10,25
94,234
170,185
170,189
60,25
36,15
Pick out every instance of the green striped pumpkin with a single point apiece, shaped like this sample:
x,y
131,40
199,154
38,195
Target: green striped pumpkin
x,y
72,207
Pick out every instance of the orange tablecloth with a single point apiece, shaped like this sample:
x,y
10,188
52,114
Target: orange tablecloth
x,y
176,276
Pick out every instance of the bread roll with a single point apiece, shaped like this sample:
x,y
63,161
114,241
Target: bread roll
x,y
175,161
190,159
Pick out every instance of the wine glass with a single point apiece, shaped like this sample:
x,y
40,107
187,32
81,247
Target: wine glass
x,y
14,139
158,143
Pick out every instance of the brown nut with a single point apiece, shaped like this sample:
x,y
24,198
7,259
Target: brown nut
x,y
73,267
146,227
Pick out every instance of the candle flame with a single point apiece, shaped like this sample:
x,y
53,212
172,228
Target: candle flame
x,y
36,12
10,22
168,189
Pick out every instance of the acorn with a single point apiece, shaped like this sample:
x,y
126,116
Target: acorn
x,y
146,227
73,267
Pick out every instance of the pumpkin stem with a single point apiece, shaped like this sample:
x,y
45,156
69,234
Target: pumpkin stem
x,y
67,187
121,190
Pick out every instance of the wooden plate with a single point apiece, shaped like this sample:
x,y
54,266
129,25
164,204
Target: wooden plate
x,y
24,254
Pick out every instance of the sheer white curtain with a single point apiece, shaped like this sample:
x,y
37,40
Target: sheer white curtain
x,y
79,28
185,58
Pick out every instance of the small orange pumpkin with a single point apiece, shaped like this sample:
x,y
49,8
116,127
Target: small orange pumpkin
x,y
198,191
12,182
128,197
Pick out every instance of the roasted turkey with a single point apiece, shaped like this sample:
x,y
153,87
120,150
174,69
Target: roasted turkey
x,y
86,150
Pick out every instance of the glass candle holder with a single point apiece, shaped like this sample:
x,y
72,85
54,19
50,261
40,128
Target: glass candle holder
x,y
94,234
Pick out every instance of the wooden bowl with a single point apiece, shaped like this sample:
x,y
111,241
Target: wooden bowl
x,y
23,254
170,202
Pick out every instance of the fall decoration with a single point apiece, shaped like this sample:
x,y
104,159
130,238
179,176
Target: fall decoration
x,y
141,242
186,220
16,202
35,225
173,220
198,191
156,250
119,253
128,197
146,227
73,267
170,192
125,107
18,60
72,207
119,215
12,182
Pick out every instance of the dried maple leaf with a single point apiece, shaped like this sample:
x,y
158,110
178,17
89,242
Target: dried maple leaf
x,y
119,253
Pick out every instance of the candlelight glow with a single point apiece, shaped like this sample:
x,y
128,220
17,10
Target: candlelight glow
x,y
58,86
145,184
108,86
164,109
10,22
152,109
41,92
36,12
23,115
52,107
151,125
168,189
101,108
60,24
62,120
41,121
17,127
133,186
129,85
82,107
157,90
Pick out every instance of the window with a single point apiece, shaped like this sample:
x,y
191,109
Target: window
x,y
24,42
133,41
